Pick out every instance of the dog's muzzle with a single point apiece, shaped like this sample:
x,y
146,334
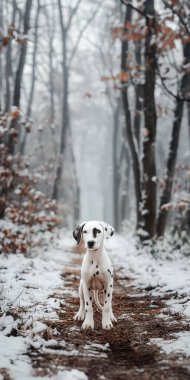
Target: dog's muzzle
x,y
90,244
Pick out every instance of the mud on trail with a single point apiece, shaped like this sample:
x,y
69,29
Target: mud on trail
x,y
124,352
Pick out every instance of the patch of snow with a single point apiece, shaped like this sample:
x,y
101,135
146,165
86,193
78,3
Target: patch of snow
x,y
39,327
12,350
74,374
179,345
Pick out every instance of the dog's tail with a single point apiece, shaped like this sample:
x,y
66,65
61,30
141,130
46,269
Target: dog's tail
x,y
97,300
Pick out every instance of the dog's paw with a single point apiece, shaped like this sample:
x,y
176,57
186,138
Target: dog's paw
x,y
88,324
113,319
107,324
79,316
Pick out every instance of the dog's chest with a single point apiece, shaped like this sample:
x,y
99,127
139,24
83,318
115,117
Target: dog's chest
x,y
96,276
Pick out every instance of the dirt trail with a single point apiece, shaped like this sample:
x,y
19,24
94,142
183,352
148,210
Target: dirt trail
x,y
122,353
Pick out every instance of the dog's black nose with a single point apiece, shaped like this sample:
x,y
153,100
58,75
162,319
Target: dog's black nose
x,y
90,244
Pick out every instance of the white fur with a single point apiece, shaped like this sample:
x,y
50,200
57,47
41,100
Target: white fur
x,y
96,274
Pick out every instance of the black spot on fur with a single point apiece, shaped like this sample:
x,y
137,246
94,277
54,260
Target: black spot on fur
x,y
95,231
96,266
87,302
106,229
91,262
86,311
90,298
94,274
108,295
105,301
105,291
112,233
89,289
97,272
111,286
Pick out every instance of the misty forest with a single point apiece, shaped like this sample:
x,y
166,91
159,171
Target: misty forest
x,y
94,126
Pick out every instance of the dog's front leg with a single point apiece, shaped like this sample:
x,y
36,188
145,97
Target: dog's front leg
x,y
89,320
80,315
107,314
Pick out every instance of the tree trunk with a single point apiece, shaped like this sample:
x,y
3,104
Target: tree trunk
x,y
173,148
8,68
30,100
149,164
139,95
8,72
125,200
65,118
52,101
31,95
1,66
19,72
116,168
188,111
129,132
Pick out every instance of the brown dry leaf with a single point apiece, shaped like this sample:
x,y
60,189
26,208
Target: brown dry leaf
x,y
117,32
174,2
87,95
104,78
11,30
146,132
6,40
169,43
167,207
15,112
124,76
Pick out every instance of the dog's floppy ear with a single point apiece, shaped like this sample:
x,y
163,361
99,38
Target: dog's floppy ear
x,y
77,233
108,230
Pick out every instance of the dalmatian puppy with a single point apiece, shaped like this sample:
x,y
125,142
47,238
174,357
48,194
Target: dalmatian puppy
x,y
96,273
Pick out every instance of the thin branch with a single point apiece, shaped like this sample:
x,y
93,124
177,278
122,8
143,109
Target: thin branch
x,y
15,5
72,14
128,3
177,97
178,15
82,32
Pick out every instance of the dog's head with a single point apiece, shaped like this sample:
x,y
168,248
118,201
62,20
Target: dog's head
x,y
93,233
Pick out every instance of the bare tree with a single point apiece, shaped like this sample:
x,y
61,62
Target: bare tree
x,y
33,78
129,128
23,48
66,63
149,164
19,71
184,92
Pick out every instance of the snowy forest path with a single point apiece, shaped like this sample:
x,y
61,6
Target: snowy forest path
x,y
124,352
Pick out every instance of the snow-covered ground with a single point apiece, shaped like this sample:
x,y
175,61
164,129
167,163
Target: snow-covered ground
x,y
161,271
28,286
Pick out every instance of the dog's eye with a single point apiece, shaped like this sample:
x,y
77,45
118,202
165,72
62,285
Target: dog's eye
x,y
84,232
